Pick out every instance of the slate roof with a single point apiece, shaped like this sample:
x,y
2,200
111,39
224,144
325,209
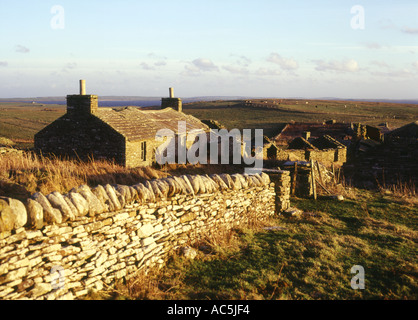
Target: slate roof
x,y
136,124
300,143
327,142
408,131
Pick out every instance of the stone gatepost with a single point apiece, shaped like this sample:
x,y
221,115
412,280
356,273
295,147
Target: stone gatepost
x,y
281,180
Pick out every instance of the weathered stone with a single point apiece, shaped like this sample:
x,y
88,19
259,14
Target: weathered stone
x,y
152,185
257,180
57,201
237,181
103,197
73,208
292,212
142,192
125,194
18,210
51,215
79,202
111,192
189,188
265,178
180,186
147,241
7,218
188,217
163,187
219,181
95,206
145,231
212,183
189,252
25,285
227,180
40,289
194,181
171,187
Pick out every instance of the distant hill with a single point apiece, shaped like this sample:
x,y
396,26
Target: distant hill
x,y
147,101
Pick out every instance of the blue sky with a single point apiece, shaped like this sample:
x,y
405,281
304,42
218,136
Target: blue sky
x,y
264,48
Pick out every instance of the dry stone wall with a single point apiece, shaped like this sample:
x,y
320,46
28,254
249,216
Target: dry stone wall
x,y
60,246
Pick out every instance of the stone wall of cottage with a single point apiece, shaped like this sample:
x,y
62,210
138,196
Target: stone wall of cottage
x,y
326,156
60,246
96,140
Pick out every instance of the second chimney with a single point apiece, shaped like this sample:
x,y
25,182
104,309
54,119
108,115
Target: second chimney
x,y
82,87
171,102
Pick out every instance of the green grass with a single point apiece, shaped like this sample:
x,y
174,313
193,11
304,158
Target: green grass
x,y
233,114
20,121
310,258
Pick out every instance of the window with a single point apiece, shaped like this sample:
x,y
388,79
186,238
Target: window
x,y
143,150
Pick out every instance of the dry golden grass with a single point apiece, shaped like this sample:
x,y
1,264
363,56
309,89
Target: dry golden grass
x,y
401,192
22,174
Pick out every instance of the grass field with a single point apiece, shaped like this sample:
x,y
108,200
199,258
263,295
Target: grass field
x,y
20,121
308,258
234,114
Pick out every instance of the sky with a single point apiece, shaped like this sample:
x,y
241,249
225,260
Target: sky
x,y
259,48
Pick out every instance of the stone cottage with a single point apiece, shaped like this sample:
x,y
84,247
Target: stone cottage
x,y
324,149
123,135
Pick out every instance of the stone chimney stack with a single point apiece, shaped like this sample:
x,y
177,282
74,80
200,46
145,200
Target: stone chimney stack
x,y
82,87
82,105
171,102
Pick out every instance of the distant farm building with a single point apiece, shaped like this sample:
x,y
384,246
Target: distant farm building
x,y
326,142
123,135
391,161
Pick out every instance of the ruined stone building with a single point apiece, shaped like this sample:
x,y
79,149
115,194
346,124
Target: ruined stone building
x,y
324,149
392,161
123,135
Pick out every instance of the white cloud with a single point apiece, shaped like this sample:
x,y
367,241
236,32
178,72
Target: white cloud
x,y
146,66
242,60
69,66
287,64
156,56
415,64
348,65
160,63
380,64
410,30
236,70
3,64
372,45
267,72
205,65
197,66
402,73
21,49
